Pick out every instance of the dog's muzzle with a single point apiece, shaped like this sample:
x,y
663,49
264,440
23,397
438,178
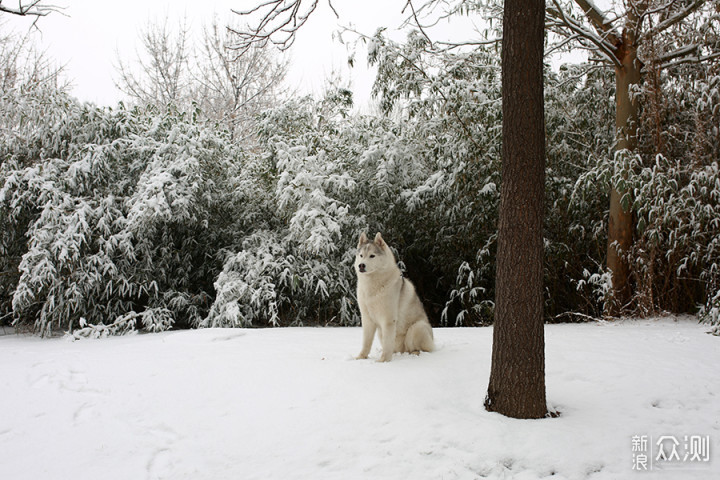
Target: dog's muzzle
x,y
361,268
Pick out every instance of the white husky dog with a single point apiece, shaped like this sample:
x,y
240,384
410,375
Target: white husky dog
x,y
388,303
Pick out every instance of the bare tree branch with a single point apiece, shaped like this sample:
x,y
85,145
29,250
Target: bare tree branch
x,y
417,21
160,76
333,9
605,42
279,21
34,8
22,64
448,46
427,16
674,19
562,44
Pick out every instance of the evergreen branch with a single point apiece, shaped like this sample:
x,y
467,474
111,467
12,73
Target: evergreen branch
x,y
463,124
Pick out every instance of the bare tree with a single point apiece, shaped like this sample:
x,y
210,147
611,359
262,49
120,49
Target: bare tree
x,y
677,32
229,87
22,64
232,88
161,74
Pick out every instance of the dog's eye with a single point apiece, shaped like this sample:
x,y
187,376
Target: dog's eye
x,y
361,255
372,256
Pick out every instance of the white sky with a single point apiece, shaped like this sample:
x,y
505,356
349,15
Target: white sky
x,y
89,36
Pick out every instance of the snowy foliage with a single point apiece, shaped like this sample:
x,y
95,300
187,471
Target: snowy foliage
x,y
301,270
672,185
710,312
113,221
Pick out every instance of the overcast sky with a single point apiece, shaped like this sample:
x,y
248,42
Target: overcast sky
x,y
88,36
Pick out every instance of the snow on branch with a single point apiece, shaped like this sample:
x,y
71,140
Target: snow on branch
x,y
686,51
34,8
673,19
593,13
604,41
683,60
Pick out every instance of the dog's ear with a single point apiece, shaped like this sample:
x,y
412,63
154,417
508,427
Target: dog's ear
x,y
379,240
363,239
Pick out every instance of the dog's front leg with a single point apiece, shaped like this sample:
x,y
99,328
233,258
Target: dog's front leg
x,y
368,327
388,339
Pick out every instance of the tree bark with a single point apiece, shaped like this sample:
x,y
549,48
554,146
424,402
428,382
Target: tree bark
x,y
621,224
517,377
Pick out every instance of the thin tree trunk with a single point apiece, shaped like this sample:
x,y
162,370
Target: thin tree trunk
x,y
517,377
621,223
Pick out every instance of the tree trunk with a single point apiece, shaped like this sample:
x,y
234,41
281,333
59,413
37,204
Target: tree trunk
x,y
621,224
517,377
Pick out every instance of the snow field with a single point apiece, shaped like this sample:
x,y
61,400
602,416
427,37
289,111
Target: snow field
x,y
293,403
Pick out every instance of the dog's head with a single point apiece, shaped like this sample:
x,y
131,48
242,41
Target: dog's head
x,y
372,255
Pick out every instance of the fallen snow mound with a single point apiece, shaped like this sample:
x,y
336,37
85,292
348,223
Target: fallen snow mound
x,y
293,404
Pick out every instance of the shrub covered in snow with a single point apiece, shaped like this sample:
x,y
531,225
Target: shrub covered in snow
x,y
125,219
327,181
110,217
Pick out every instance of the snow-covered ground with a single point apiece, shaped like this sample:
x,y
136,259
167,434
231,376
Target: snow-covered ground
x,y
293,404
